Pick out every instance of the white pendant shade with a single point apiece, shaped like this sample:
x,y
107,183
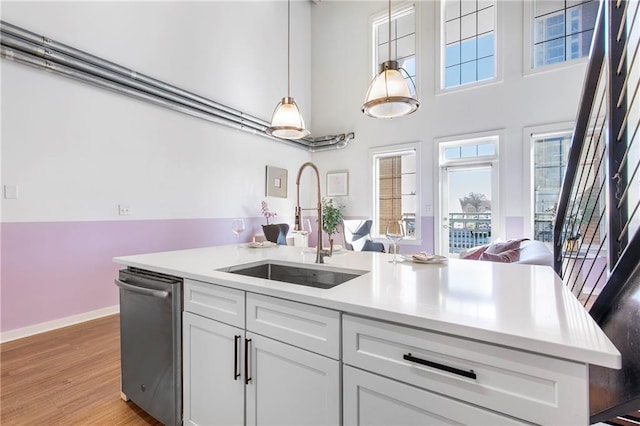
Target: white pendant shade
x,y
287,122
389,95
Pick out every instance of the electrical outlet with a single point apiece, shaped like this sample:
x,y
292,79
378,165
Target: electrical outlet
x,y
124,210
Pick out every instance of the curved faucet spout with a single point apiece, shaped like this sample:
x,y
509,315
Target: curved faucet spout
x,y
320,253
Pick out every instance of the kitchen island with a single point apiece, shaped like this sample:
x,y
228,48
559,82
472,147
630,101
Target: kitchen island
x,y
470,341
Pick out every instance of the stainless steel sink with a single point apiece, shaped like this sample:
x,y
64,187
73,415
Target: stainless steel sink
x,y
295,273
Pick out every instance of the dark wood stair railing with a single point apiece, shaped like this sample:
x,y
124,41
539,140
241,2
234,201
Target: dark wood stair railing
x,y
600,199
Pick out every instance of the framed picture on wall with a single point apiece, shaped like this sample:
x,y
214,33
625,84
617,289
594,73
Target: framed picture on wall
x,y
276,182
337,183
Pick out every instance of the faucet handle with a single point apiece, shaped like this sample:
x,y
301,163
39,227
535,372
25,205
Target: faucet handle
x,y
298,219
324,253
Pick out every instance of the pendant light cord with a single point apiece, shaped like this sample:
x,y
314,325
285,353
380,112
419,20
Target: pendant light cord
x,y
389,40
288,48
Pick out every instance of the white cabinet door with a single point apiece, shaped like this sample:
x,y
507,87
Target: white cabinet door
x,y
291,386
373,400
213,386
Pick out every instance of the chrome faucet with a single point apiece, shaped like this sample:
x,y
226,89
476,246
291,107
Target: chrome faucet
x,y
320,253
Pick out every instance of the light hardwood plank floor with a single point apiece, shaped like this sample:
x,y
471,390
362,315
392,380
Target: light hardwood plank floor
x,y
69,376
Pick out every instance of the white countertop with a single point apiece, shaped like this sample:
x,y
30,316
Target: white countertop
x,y
519,306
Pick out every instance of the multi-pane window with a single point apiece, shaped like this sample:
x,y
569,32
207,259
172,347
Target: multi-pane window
x,y
562,30
403,42
480,149
469,191
549,162
469,34
395,190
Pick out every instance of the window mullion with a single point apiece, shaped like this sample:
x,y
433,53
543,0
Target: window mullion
x,y
557,44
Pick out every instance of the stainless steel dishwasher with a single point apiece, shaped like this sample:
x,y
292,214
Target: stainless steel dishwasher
x,y
151,342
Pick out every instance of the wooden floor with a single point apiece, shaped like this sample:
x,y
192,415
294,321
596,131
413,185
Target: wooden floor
x,y
69,376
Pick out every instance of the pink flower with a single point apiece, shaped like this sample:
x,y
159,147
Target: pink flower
x,y
266,213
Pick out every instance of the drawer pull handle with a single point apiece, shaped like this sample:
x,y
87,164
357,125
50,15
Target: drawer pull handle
x,y
466,373
236,367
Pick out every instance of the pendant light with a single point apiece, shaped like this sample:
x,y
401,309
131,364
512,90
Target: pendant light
x,y
389,95
287,122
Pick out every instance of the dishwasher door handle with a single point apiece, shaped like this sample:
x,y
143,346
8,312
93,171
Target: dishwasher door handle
x,y
142,290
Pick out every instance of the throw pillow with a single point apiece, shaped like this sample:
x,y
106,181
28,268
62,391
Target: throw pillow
x,y
497,248
475,252
507,256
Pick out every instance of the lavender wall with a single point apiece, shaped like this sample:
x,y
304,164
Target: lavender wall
x,y
52,270
514,227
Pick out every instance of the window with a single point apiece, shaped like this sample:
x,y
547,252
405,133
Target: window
x,y
550,153
469,47
395,189
562,30
481,149
403,42
468,184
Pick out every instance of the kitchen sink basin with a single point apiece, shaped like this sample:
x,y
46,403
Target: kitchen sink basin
x,y
295,273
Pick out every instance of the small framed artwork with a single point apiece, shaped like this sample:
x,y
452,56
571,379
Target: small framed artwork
x,y
337,184
276,182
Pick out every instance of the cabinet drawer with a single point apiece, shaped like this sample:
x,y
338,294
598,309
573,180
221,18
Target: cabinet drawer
x,y
308,327
532,387
373,400
215,302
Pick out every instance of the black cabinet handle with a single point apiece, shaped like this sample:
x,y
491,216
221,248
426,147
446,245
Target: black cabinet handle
x,y
247,379
465,373
236,367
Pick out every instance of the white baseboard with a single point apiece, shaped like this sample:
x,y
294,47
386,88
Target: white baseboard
x,y
19,333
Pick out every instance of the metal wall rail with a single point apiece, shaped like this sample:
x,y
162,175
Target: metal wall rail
x,y
28,48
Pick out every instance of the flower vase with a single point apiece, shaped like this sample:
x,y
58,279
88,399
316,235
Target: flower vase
x,y
276,233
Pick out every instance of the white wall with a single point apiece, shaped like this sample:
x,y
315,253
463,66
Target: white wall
x,y
341,74
76,151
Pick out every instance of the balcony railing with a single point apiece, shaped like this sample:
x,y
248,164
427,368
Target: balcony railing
x,y
543,227
468,230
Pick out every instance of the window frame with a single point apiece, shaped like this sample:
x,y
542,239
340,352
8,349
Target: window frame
x,y
390,151
498,208
528,39
441,51
383,16
528,134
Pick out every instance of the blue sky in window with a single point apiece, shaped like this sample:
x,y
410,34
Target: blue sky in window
x,y
469,61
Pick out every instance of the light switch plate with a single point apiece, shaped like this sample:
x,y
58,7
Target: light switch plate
x,y
11,192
